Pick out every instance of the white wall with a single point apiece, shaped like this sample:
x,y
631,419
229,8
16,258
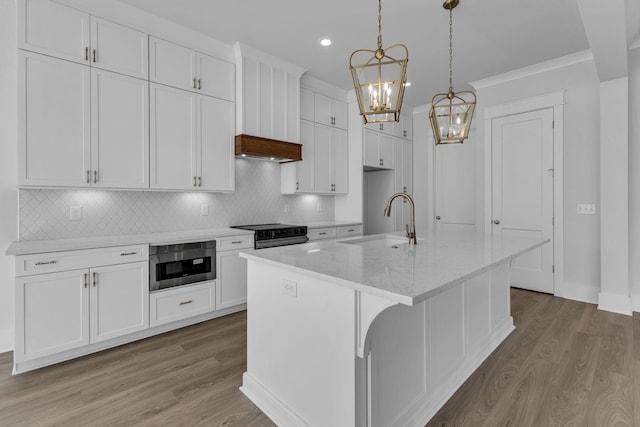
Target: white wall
x,y
634,178
8,164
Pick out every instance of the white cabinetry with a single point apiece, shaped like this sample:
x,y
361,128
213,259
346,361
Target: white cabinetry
x,y
268,102
67,300
183,68
378,150
231,288
331,154
181,302
403,182
54,121
325,151
63,32
191,141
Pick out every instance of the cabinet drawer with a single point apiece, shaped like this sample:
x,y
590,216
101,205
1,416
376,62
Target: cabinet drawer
x,y
69,260
321,233
351,230
235,242
180,303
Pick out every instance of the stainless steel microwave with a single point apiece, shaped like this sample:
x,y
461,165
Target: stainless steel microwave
x,y
181,264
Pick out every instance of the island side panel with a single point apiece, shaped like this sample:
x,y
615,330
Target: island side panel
x,y
300,347
421,355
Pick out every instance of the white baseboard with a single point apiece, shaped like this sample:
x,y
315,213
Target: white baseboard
x,y
579,292
269,403
615,303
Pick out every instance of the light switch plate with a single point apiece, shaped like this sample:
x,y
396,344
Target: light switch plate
x,y
586,209
289,287
204,210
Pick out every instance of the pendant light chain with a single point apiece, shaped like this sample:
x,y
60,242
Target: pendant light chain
x,y
451,50
379,24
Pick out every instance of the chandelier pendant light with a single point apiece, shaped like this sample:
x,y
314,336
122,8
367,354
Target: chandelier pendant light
x,y
451,113
379,78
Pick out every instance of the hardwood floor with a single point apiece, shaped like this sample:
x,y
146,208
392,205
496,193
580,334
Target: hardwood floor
x,y
566,364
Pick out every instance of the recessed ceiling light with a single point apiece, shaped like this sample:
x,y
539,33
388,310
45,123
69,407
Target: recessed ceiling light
x,y
325,42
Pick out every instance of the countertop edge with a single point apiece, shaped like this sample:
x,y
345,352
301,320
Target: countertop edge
x,y
32,247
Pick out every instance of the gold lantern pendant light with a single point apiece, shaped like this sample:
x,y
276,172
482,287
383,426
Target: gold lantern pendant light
x,y
380,79
451,113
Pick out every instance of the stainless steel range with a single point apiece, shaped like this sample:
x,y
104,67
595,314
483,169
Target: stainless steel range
x,y
272,235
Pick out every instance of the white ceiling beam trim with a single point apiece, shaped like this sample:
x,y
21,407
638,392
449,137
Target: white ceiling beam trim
x,y
531,70
605,25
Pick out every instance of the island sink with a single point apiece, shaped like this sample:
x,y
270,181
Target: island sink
x,y
378,240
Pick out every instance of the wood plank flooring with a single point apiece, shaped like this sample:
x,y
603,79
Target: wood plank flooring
x,y
566,364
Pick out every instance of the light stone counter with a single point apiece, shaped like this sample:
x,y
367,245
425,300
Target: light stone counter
x,y
327,224
405,274
372,331
44,246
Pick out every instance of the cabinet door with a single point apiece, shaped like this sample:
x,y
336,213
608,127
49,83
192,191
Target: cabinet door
x,y
173,138
386,150
119,302
54,121
340,114
340,162
324,158
307,108
404,128
231,283
118,48
54,29
216,157
370,151
119,127
215,77
171,64
323,110
51,313
306,168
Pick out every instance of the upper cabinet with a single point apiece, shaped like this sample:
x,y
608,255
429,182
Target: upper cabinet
x,y
401,129
183,68
268,101
63,32
323,109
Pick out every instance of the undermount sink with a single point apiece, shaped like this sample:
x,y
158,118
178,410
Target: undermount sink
x,y
379,240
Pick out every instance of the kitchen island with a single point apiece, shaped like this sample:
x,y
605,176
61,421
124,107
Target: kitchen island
x,y
374,331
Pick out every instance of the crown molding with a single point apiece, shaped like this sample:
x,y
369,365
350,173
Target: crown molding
x,y
553,64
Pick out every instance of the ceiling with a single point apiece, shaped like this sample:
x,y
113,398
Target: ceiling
x,y
490,36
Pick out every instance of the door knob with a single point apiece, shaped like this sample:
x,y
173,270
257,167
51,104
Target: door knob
x,y
496,221
438,217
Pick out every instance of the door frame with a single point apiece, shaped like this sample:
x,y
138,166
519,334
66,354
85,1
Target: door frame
x,y
554,100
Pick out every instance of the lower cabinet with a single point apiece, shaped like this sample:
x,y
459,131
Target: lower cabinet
x,y
339,232
61,309
231,286
181,302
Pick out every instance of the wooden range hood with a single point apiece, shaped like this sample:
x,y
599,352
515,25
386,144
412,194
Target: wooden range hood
x,y
257,147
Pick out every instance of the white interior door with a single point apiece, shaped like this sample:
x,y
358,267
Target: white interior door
x,y
455,183
522,191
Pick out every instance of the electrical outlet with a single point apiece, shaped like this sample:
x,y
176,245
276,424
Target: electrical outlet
x,y
204,210
586,209
290,288
286,207
75,213
319,206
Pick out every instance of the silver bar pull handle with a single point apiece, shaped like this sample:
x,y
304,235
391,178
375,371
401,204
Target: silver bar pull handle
x,y
194,83
199,181
237,242
95,56
199,85
46,262
95,279
86,53
128,253
194,181
186,302
86,280
88,176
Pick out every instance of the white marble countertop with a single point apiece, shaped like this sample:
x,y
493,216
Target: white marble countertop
x,y
393,269
328,224
166,238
